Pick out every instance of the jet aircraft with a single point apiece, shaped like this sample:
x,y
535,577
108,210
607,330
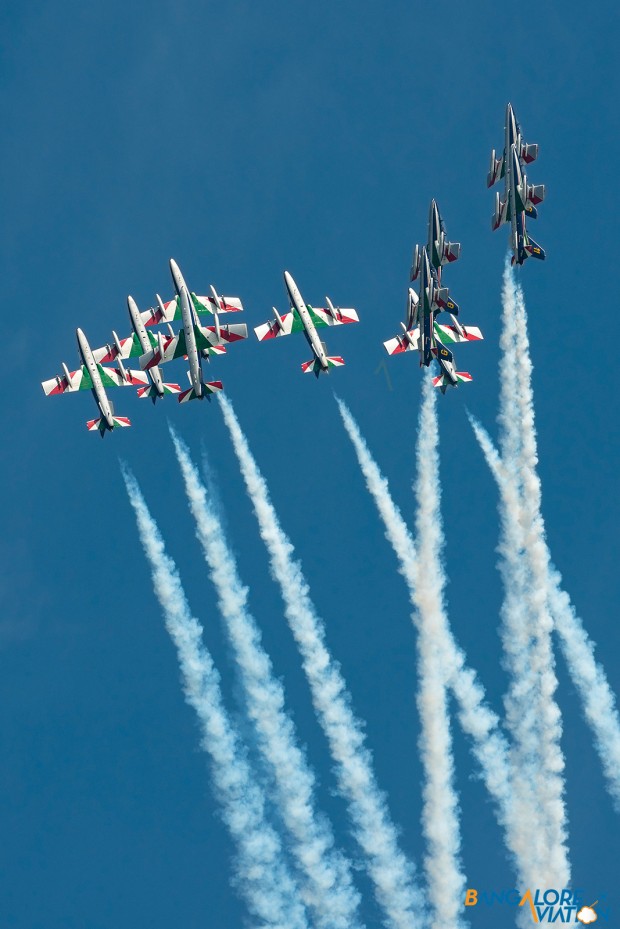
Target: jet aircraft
x,y
438,249
193,341
527,153
307,319
421,313
520,198
136,345
94,377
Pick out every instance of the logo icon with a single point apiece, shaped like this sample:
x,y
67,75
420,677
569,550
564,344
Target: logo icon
x,y
587,914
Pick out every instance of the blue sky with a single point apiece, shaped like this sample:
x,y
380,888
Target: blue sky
x,y
243,139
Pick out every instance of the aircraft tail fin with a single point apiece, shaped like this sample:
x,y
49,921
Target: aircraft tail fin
x,y
443,382
534,250
314,365
208,388
101,426
151,391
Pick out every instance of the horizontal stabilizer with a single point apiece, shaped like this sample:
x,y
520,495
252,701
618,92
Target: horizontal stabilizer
x,y
100,425
534,250
443,382
314,366
208,388
152,391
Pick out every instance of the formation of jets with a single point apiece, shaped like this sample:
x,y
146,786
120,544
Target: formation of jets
x,y
520,198
421,331
195,342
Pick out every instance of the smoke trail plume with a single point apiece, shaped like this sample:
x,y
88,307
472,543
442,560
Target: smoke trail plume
x,y
522,697
391,874
440,813
262,876
325,877
476,719
542,658
597,697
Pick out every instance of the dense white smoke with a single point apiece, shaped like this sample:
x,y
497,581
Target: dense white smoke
x,y
597,697
261,874
324,875
392,875
440,811
477,720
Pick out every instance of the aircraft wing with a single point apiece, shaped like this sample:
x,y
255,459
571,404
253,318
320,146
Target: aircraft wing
x,y
203,306
166,349
130,348
324,317
407,342
78,380
81,380
449,335
282,325
233,332
291,322
113,377
172,347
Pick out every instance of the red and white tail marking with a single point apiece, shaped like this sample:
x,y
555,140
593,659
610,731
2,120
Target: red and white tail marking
x,y
314,365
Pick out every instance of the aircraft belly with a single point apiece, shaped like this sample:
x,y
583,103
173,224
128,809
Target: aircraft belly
x,y
98,389
195,370
311,335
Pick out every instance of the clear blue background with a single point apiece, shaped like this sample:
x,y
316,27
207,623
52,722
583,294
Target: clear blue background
x,y
243,138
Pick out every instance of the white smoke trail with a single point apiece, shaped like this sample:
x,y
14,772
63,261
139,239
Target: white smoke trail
x,y
262,876
597,697
440,812
391,873
325,878
489,745
521,699
542,658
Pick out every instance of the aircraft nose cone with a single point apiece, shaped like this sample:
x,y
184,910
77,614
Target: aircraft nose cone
x,y
177,277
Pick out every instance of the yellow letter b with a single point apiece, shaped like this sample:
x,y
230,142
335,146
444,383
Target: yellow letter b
x,y
471,897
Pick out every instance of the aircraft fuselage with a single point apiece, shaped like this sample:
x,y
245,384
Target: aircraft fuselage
x,y
98,390
140,331
310,332
426,313
435,238
189,320
517,217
